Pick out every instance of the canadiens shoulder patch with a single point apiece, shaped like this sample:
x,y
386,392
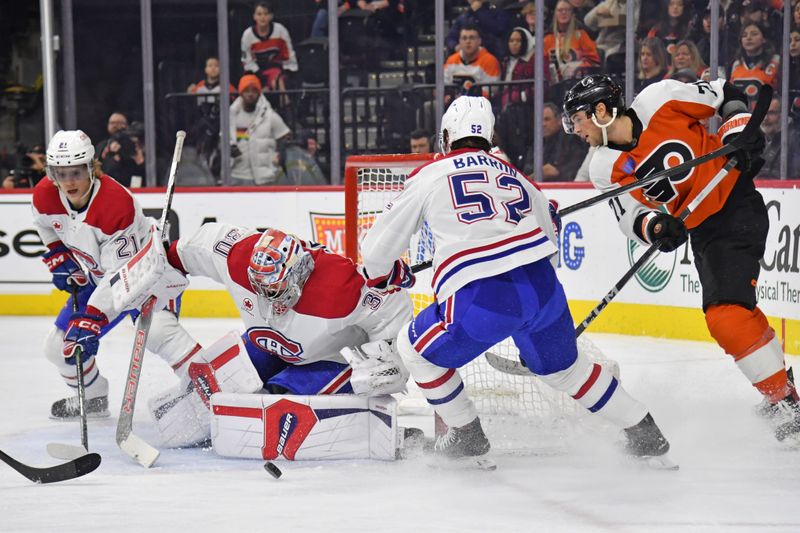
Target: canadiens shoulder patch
x,y
112,208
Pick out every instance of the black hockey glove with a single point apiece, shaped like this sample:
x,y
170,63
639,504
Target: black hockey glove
x,y
666,232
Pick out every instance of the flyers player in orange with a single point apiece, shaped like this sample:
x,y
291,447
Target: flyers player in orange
x,y
728,229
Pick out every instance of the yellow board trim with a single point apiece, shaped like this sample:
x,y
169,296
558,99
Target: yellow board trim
x,y
621,318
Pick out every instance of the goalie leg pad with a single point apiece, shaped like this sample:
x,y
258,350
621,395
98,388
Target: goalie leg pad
x,y
181,417
377,368
224,366
598,390
273,426
442,387
171,342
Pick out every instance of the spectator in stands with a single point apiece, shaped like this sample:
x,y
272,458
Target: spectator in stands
x,y
320,26
674,24
685,55
491,23
701,36
607,20
581,8
568,46
472,64
420,142
762,13
772,149
653,63
29,167
205,131
122,154
258,135
302,167
267,48
528,13
385,26
794,63
756,63
562,155
517,65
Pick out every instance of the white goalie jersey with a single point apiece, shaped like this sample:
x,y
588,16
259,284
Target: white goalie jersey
x,y
335,310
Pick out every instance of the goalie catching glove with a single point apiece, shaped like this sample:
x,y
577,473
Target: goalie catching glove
x,y
377,369
400,277
83,332
64,268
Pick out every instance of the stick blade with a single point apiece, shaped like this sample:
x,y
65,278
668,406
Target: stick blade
x,y
67,452
138,450
76,468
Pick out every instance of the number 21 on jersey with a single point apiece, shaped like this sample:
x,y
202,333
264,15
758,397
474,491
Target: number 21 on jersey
x,y
473,200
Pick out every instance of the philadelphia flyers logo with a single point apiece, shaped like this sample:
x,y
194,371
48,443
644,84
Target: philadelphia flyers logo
x,y
274,342
666,155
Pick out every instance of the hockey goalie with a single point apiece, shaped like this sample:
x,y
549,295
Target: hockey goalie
x,y
311,376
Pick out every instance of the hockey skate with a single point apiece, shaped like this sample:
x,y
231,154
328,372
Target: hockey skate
x,y
788,415
67,408
414,443
645,442
465,443
772,411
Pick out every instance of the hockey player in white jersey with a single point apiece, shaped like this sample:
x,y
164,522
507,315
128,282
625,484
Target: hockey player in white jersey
x,y
91,226
493,279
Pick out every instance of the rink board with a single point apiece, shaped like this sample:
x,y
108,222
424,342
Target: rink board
x,y
663,300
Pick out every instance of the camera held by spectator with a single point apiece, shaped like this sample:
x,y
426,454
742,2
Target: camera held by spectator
x,y
29,168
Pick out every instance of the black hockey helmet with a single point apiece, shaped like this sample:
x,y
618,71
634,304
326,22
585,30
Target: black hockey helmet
x,y
587,93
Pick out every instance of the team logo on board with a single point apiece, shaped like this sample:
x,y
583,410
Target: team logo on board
x,y
328,230
655,274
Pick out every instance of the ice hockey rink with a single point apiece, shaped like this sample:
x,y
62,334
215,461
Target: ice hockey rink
x,y
734,476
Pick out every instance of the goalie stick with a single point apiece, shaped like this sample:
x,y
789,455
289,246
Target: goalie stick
x,y
51,474
129,442
749,131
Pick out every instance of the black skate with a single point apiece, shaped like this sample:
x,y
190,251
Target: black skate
x,y
466,441
769,410
414,443
789,412
646,442
67,409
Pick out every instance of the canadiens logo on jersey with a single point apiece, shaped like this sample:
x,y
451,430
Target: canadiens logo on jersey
x,y
274,342
88,261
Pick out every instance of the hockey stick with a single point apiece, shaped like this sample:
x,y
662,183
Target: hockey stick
x,y
129,442
510,366
747,134
52,474
70,451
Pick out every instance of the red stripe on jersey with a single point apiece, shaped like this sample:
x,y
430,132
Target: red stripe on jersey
x,y
483,248
589,382
338,382
438,381
243,412
225,357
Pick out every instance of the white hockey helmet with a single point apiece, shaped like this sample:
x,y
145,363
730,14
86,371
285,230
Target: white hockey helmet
x,y
69,148
467,116
278,269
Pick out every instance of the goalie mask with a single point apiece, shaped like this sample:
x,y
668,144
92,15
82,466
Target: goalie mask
x,y
278,269
70,149
467,116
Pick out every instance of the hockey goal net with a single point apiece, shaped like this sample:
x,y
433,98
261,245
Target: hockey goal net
x,y
372,181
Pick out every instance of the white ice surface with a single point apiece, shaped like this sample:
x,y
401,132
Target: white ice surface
x,y
734,476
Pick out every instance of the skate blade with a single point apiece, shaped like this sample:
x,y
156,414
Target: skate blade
x,y
89,416
463,463
658,462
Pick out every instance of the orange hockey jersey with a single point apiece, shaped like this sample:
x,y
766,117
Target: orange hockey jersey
x,y
667,131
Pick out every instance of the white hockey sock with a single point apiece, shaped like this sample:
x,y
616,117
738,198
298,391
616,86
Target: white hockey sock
x,y
765,366
442,387
171,342
596,389
96,385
